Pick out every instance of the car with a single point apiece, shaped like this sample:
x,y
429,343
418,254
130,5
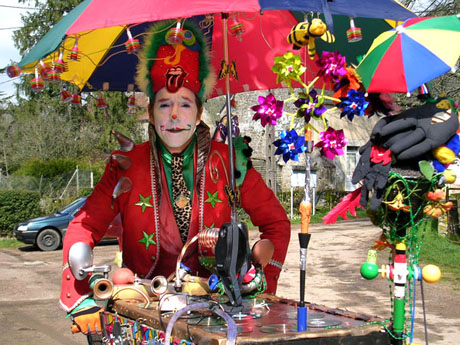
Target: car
x,y
48,232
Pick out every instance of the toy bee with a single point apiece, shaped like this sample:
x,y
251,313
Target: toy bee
x,y
305,33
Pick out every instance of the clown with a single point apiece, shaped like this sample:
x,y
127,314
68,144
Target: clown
x,y
161,208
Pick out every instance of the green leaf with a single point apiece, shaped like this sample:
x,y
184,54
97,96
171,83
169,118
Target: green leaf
x,y
426,169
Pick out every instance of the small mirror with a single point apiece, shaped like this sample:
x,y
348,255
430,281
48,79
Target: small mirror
x,y
80,259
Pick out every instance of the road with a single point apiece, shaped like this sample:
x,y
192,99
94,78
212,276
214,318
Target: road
x,y
30,285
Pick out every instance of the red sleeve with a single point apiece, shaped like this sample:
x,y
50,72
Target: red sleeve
x,y
266,212
89,226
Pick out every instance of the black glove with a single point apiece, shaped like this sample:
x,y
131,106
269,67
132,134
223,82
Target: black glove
x,y
374,176
417,131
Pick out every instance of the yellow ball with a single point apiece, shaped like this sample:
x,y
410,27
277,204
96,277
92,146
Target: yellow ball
x,y
431,273
450,175
444,154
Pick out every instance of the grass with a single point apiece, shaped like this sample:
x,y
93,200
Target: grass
x,y
10,243
440,251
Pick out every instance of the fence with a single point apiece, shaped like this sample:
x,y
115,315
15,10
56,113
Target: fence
x,y
58,187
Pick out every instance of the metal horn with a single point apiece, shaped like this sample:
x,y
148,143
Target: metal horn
x,y
159,285
103,289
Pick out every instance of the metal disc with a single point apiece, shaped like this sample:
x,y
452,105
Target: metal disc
x,y
245,316
310,315
279,328
223,329
206,321
318,323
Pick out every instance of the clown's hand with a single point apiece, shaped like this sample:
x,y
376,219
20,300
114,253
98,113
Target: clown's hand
x,y
417,131
86,319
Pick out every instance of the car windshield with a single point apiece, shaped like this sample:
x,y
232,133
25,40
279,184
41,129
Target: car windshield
x,y
69,208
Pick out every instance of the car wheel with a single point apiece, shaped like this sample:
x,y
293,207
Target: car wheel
x,y
48,239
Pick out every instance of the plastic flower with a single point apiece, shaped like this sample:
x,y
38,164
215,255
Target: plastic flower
x,y
310,105
332,66
290,145
288,67
380,155
268,110
353,104
332,143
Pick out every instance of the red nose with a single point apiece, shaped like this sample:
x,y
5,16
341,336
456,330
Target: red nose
x,y
174,116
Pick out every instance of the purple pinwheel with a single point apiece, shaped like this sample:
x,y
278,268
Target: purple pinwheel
x,y
268,110
290,145
310,105
332,66
332,143
353,104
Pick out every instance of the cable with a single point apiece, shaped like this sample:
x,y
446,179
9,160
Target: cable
x,y
424,312
231,325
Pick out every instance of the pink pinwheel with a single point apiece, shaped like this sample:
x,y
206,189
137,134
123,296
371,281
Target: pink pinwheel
x,y
332,143
332,66
268,110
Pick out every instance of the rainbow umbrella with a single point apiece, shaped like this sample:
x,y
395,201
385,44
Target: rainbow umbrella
x,y
404,58
98,30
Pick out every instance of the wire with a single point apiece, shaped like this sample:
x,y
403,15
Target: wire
x,y
20,7
424,312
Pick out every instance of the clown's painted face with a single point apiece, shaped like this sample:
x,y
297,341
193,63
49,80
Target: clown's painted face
x,y
175,117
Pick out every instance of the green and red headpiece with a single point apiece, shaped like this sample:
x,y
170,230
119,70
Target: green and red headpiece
x,y
175,56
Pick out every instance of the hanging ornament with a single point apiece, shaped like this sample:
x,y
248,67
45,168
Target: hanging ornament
x,y
132,45
354,33
13,71
43,69
76,99
37,84
66,96
132,101
53,75
74,53
175,36
236,28
59,64
101,103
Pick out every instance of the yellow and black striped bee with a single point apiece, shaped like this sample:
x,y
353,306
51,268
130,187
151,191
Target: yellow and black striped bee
x,y
305,33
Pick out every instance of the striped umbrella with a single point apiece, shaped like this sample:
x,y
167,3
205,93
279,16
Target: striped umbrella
x,y
419,50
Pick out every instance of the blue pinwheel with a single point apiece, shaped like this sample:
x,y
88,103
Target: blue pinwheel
x,y
290,145
353,104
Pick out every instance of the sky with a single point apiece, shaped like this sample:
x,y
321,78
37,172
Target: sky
x,y
10,19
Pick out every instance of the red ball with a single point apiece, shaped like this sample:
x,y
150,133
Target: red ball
x,y
123,276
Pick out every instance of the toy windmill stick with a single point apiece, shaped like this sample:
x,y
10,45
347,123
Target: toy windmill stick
x,y
304,237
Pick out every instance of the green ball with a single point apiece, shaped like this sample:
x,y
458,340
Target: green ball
x,y
369,271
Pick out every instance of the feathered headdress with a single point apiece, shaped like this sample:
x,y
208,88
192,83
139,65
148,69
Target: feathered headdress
x,y
175,54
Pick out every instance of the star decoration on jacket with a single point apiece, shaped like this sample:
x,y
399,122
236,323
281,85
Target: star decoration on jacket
x,y
212,199
147,240
144,202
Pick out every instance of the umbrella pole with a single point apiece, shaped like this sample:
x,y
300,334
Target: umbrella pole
x,y
229,119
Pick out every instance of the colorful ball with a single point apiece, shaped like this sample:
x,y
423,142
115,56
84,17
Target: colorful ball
x,y
175,36
369,270
431,273
13,71
66,96
354,34
37,84
189,38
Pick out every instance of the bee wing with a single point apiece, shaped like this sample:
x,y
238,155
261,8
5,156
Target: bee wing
x,y
328,37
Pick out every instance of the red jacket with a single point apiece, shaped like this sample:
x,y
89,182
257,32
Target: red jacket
x,y
148,218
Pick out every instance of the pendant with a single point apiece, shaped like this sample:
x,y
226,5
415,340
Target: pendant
x,y
182,201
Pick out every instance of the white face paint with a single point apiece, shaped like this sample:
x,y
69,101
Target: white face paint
x,y
175,117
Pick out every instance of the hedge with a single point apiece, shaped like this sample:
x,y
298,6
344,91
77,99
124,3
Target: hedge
x,y
17,206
